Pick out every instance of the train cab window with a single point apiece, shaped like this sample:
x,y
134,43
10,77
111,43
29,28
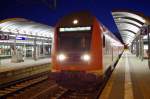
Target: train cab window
x,y
103,41
74,41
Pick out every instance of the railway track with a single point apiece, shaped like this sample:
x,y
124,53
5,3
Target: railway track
x,y
51,90
91,93
72,94
18,86
43,87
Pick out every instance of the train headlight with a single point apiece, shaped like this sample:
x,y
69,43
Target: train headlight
x,y
86,57
61,57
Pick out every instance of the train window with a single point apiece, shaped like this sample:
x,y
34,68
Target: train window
x,y
74,41
103,41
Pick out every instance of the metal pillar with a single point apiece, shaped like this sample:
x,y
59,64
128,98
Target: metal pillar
x,y
24,50
38,50
34,52
137,47
140,47
43,48
148,34
15,50
14,55
132,51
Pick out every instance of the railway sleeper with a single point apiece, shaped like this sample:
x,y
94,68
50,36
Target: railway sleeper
x,y
18,87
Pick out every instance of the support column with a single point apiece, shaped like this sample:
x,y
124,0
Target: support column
x,y
38,51
24,51
35,52
43,46
14,58
132,47
137,47
148,34
142,48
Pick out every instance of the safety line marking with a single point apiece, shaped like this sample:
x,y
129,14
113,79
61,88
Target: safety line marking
x,y
128,94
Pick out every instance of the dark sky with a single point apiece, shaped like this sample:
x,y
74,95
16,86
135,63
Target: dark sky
x,y
42,11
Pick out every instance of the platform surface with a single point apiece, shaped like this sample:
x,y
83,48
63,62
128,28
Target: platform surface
x,y
7,65
129,80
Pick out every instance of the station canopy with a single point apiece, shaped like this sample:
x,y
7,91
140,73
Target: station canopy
x,y
21,26
129,23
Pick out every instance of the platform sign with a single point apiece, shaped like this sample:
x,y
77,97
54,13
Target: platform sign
x,y
21,38
4,37
144,30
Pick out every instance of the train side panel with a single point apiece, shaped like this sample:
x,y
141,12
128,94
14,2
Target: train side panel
x,y
55,66
96,49
107,54
112,48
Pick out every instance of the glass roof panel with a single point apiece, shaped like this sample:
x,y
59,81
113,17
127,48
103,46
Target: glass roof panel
x,y
127,20
128,24
24,26
128,14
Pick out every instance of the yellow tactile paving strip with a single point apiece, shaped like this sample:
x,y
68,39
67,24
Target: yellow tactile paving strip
x,y
128,94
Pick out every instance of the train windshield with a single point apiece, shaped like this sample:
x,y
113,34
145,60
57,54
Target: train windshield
x,y
74,41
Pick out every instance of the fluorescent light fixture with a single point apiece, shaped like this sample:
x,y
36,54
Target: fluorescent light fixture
x,y
75,29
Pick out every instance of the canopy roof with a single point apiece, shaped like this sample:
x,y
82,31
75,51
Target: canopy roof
x,y
26,27
129,24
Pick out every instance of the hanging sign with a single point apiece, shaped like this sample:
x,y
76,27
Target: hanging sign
x,y
4,37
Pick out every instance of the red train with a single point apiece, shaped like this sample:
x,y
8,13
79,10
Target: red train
x,y
83,44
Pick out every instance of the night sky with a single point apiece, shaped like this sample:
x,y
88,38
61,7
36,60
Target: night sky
x,y
45,12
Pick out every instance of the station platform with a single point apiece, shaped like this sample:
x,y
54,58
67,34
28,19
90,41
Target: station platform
x,y
7,65
129,80
13,71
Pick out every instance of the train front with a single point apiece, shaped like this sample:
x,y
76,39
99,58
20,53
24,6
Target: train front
x,y
72,43
71,56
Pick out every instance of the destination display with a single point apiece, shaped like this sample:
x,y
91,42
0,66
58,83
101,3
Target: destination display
x,y
70,29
